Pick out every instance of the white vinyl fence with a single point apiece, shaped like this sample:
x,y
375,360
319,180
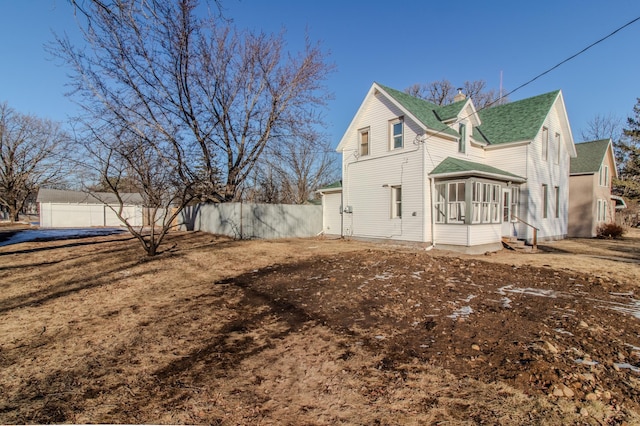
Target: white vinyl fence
x,y
250,220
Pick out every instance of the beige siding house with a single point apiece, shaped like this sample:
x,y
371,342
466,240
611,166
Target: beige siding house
x,y
451,176
590,203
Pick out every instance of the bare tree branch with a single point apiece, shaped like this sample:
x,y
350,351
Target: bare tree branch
x,y
31,152
197,99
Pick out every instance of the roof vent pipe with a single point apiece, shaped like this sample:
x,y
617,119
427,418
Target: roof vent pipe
x,y
459,96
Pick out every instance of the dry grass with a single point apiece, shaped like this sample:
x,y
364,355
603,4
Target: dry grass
x,y
215,331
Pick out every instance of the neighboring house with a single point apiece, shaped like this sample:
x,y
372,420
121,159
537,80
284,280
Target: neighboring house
x,y
74,209
590,200
453,176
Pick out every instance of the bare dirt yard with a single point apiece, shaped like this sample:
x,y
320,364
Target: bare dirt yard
x,y
318,332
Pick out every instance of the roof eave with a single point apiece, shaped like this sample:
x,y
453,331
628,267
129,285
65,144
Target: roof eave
x,y
478,173
507,144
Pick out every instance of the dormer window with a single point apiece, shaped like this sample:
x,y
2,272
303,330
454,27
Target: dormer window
x,y
462,143
396,133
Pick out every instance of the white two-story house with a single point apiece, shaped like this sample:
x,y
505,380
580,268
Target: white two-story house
x,y
452,176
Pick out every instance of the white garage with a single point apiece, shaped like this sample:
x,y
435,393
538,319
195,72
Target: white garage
x,y
332,208
74,209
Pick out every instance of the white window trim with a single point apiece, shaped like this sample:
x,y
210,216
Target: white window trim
x,y
557,201
545,143
558,139
366,130
515,201
462,143
439,205
476,203
392,123
545,201
396,202
459,205
601,214
604,175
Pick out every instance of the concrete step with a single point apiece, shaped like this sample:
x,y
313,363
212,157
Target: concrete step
x,y
512,243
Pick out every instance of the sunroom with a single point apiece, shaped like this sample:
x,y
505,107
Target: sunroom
x,y
474,205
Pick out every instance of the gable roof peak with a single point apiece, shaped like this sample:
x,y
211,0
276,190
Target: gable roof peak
x,y
516,121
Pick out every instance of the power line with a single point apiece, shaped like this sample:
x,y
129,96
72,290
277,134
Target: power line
x,y
545,72
572,56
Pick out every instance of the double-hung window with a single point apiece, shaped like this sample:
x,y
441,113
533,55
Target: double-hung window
x,y
545,143
515,201
558,148
462,143
396,133
604,175
602,211
557,197
396,201
545,200
363,135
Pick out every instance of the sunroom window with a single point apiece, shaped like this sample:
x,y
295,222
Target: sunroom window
x,y
456,205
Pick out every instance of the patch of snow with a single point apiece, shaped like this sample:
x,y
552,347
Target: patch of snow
x,y
506,302
628,366
383,276
563,331
585,361
464,311
469,298
58,234
630,293
528,291
632,308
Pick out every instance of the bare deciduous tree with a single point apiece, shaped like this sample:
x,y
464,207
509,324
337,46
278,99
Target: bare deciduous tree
x,y
31,149
602,127
300,165
206,99
442,93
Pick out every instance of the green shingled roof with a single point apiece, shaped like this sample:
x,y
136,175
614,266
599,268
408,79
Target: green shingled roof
x,y
424,111
590,156
516,121
335,185
455,166
512,122
448,112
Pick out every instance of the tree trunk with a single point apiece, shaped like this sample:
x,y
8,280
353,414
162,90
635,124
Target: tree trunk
x,y
14,213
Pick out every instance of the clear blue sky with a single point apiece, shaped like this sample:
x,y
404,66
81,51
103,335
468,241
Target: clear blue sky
x,y
394,43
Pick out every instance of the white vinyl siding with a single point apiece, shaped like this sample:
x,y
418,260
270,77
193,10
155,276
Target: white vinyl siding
x,y
368,181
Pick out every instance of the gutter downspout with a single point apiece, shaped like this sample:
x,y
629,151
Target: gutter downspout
x,y
432,185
